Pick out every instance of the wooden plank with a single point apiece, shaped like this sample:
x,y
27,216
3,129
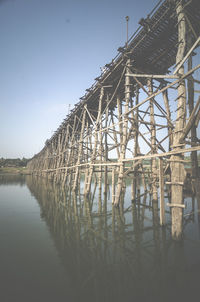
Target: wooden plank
x,y
177,183
180,151
176,205
153,76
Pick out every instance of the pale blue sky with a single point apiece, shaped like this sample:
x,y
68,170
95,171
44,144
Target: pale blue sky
x,y
50,52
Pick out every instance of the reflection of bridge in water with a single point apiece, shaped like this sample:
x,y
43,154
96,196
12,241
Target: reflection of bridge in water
x,y
142,110
116,254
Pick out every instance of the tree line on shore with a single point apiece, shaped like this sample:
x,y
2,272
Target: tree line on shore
x,y
13,162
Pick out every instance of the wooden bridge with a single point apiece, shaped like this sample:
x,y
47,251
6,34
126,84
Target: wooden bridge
x,y
139,118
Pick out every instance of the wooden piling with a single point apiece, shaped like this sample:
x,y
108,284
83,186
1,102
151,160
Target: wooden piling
x,y
177,167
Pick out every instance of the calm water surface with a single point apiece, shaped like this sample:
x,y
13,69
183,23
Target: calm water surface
x,y
56,247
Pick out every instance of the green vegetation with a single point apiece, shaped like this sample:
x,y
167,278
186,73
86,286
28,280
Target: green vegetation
x,y
13,165
13,162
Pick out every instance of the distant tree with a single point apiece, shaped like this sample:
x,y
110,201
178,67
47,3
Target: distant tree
x,y
13,162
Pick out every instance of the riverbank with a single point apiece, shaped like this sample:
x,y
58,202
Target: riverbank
x,y
14,170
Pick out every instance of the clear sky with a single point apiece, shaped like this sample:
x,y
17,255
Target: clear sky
x,y
50,52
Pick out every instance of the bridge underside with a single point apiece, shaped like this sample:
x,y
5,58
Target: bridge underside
x,y
139,118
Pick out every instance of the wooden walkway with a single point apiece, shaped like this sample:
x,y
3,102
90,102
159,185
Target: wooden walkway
x,y
144,106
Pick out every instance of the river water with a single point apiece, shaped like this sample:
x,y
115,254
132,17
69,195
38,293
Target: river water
x,y
56,246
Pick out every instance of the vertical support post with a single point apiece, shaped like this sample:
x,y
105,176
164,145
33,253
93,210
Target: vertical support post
x,y
57,146
100,141
153,143
177,167
69,159
166,102
190,83
89,178
87,152
114,130
58,156
119,107
106,152
53,161
80,148
161,186
135,180
124,135
64,151
46,160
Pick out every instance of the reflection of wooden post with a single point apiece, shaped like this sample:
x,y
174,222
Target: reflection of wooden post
x,y
177,166
161,185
